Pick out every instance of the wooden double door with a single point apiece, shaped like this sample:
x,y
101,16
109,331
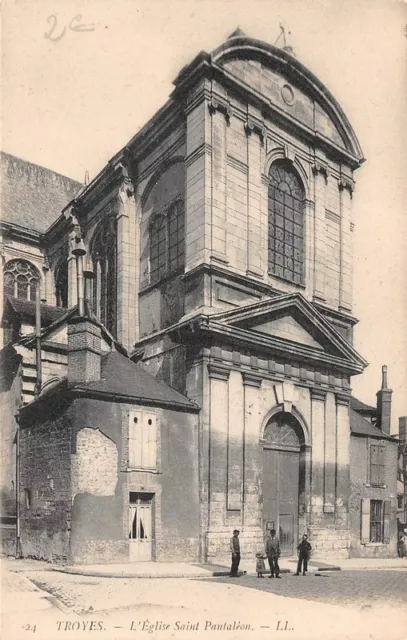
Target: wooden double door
x,y
280,495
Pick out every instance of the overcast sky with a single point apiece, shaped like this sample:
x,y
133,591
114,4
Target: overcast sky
x,y
74,97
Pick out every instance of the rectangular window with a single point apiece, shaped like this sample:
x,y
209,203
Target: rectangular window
x,y
376,521
142,440
377,464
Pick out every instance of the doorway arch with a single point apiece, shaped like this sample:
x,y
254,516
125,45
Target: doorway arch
x,y
284,450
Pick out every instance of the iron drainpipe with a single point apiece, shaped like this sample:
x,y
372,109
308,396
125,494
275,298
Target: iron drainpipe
x,y
38,383
18,540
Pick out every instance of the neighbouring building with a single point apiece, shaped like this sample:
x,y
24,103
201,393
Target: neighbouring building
x,y
197,331
402,476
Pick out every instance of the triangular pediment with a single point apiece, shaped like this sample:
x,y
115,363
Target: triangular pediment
x,y
288,328
290,320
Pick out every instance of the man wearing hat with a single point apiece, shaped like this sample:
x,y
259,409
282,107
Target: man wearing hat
x,y
235,549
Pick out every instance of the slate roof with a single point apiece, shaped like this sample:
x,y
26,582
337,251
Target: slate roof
x,y
123,378
26,308
361,427
33,196
361,407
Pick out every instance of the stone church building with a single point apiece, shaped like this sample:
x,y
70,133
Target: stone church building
x,y
196,340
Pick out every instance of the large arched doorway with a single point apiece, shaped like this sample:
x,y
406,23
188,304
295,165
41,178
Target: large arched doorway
x,y
283,441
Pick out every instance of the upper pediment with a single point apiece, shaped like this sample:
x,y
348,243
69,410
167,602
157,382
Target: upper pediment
x,y
290,324
288,85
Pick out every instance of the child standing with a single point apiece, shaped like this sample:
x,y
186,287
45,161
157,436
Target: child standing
x,y
260,566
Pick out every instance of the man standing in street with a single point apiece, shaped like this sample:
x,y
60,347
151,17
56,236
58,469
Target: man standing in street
x,y
235,549
304,552
273,553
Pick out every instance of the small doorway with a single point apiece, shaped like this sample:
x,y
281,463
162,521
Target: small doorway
x,y
282,442
140,526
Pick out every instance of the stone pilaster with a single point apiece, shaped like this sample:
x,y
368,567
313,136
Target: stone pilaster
x,y
198,165
218,425
235,442
219,123
318,452
255,141
346,254
320,172
342,458
330,454
252,516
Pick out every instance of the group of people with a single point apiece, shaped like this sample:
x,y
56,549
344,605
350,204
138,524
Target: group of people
x,y
271,553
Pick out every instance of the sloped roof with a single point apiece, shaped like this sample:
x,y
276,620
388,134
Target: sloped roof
x,y
49,314
361,427
361,407
123,378
33,196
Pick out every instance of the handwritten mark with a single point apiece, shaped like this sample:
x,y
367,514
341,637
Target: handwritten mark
x,y
74,25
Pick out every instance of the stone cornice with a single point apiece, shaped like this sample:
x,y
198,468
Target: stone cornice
x,y
16,232
275,345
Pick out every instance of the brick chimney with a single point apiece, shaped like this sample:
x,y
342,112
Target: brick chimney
x,y
384,404
84,350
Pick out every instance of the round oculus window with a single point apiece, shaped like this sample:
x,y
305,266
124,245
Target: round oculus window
x,y
288,95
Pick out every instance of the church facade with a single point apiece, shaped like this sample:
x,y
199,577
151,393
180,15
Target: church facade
x,y
218,254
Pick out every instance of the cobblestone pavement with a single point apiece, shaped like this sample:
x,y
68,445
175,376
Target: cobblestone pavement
x,y
357,589
351,588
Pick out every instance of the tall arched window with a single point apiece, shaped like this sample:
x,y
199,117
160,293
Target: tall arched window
x,y
167,242
286,223
61,284
21,279
104,256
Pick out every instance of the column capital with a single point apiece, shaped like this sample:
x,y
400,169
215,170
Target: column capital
x,y
342,399
251,126
322,169
318,394
251,379
346,183
223,107
218,371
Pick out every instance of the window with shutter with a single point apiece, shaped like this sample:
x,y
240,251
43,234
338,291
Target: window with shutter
x,y
365,521
376,521
387,521
377,464
142,440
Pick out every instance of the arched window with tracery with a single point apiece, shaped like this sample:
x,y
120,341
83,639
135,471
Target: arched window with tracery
x,y
21,279
167,242
104,258
286,201
61,284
